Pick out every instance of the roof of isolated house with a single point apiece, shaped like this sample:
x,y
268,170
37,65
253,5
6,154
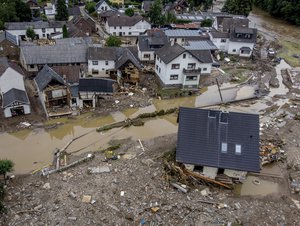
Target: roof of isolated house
x,y
72,50
200,45
123,20
36,25
99,85
218,139
14,95
45,76
8,36
169,53
239,30
118,54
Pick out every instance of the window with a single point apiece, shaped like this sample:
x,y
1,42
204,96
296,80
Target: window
x,y
106,62
205,69
114,33
31,66
157,58
212,114
43,30
184,56
147,56
44,35
223,40
238,35
191,66
182,39
129,33
224,117
175,66
159,69
191,78
247,36
238,149
234,50
224,147
175,40
120,27
173,77
156,67
95,62
103,69
95,71
115,28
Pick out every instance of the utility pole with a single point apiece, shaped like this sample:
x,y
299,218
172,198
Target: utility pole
x,y
219,90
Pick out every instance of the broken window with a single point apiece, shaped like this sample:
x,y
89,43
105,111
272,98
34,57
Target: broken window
x,y
238,149
147,56
224,147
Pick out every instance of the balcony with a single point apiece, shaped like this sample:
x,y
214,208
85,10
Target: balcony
x,y
191,71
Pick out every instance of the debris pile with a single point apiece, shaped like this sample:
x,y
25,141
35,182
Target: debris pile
x,y
270,151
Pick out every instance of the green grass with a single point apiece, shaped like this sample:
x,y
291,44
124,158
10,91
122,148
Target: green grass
x,y
288,49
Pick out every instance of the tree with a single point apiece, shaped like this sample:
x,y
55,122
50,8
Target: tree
x,y
129,12
238,7
23,11
170,18
6,166
206,23
90,7
65,32
155,13
113,41
62,11
30,33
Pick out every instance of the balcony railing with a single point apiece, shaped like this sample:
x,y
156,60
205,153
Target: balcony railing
x,y
192,71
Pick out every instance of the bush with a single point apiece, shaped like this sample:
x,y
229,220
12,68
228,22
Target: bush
x,y
90,7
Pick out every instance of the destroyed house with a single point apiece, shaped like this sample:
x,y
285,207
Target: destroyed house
x,y
92,90
53,92
218,141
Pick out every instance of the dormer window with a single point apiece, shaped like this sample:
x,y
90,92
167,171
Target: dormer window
x,y
238,35
247,36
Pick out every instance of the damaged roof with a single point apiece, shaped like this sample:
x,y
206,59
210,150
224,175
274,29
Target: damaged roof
x,y
14,95
226,140
99,85
169,53
45,76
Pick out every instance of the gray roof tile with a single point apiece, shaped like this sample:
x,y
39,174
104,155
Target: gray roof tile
x,y
200,138
100,85
45,76
14,95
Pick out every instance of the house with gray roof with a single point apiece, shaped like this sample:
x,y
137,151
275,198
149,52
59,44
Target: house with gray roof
x,y
65,52
103,6
122,25
13,93
114,62
9,45
217,141
180,36
53,92
42,29
149,42
181,67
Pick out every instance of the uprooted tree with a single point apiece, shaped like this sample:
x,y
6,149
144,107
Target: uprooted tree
x,y
6,166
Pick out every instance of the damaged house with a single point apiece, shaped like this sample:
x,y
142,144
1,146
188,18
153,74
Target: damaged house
x,y
115,63
218,143
13,96
53,92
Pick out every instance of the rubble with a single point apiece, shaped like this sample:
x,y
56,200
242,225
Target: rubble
x,y
270,151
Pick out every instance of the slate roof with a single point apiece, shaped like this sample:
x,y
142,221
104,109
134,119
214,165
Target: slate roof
x,y
99,85
4,64
151,38
74,11
71,73
118,54
36,25
200,45
218,34
123,20
45,76
14,95
251,31
200,139
63,52
230,23
169,53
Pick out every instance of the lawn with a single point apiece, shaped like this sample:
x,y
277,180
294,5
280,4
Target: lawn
x,y
288,49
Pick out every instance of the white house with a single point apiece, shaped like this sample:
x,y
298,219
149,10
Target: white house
x,y
102,6
42,29
177,66
148,43
50,10
122,25
13,93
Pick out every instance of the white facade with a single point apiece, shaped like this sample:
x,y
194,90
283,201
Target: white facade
x,y
42,33
99,68
50,11
8,114
103,7
234,48
221,43
184,70
134,30
11,79
146,55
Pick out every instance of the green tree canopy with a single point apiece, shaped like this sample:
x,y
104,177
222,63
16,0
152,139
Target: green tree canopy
x,y
238,7
129,12
30,33
113,41
65,32
90,7
206,23
155,13
62,11
6,166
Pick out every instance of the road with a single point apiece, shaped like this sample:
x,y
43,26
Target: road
x,y
100,31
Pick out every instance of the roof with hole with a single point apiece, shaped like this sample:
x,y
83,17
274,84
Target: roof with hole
x,y
202,132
